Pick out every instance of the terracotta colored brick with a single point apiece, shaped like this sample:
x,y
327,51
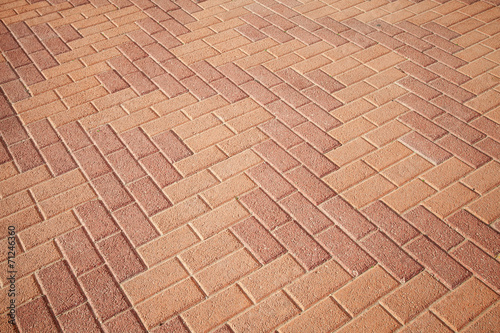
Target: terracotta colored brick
x,y
16,183
270,313
219,219
121,257
438,262
455,108
201,160
281,134
420,105
60,286
446,173
242,141
230,91
228,190
485,178
276,156
172,146
226,271
43,133
476,230
135,224
26,155
316,137
433,227
365,290
420,292
258,92
426,322
303,246
74,136
125,321
107,304
375,319
112,192
423,126
97,219
122,65
58,158
479,263
390,222
138,143
67,200
149,196
39,309
485,323
463,150
160,169
319,318
259,240
271,181
429,150
475,298
177,299
15,203
235,164
106,139
445,57
488,126
210,251
125,166
265,209
81,316
112,81
415,55
206,71
264,76
173,325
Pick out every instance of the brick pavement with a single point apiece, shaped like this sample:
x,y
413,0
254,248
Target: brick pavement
x,y
251,166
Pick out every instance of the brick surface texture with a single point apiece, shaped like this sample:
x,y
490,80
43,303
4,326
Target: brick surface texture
x,y
251,165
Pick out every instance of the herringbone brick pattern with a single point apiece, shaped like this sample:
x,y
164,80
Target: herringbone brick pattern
x,y
251,165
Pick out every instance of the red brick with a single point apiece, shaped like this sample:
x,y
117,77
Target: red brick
x,y
26,155
7,72
490,147
166,39
170,86
158,52
420,105
43,60
349,254
82,316
68,33
305,213
270,181
479,263
391,256
140,83
276,156
106,139
112,81
413,41
74,136
111,191
229,90
122,65
322,98
426,148
388,28
440,30
91,161
445,57
4,153
417,71
17,58
295,79
121,257
36,316
265,209
125,166
12,130
438,262
463,150
5,107
455,108
390,222
385,40
177,69
449,73
138,143
319,117
413,29
418,88
459,128
311,186
452,90
58,158
347,217
172,146
8,43
415,55
127,321
256,20
316,137
281,134
43,133
174,27
160,169
135,224
313,160
260,93
206,71
259,241
149,196
132,51
358,39
479,232
20,29
433,227
250,32
303,35
420,124
290,95
264,76
487,126
305,23
332,24
325,81
105,304
31,44
308,252
198,87
60,287
277,34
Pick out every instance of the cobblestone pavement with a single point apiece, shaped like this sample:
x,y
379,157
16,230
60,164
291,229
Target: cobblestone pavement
x,y
250,165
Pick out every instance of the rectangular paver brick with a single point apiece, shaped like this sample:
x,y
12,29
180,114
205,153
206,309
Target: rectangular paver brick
x,y
149,196
426,148
112,192
271,181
